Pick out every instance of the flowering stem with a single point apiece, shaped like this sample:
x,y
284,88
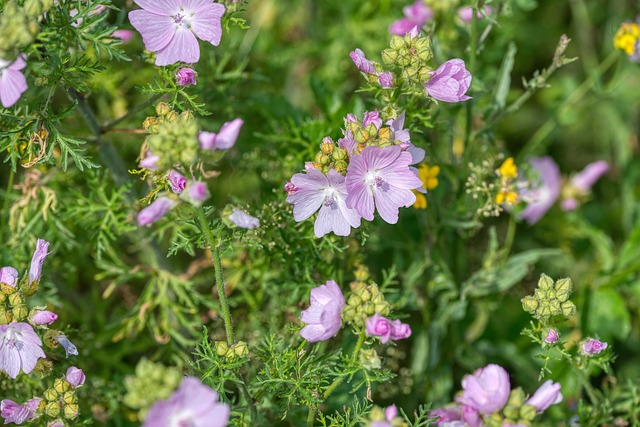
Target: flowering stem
x,y
5,203
217,266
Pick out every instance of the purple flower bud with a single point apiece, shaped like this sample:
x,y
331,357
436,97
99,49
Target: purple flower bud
x,y
386,80
37,260
9,276
544,192
324,315
363,64
372,117
487,390
155,210
416,15
186,76
75,377
548,394
124,35
592,346
450,82
150,162
177,181
43,317
589,175
399,330
243,220
385,329
207,140
196,193
56,423
350,118
69,348
552,336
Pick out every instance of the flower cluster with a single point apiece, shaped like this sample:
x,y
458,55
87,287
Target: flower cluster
x,y
627,39
173,147
550,299
367,170
487,400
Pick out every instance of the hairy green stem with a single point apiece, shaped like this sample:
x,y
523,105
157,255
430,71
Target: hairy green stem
x,y
217,267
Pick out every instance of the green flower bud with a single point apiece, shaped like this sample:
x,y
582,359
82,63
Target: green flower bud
x,y
43,366
369,308
369,359
554,307
241,349
341,167
544,311
511,412
52,409
70,397
322,158
494,420
530,304
516,398
563,288
551,294
50,394
540,294
545,282
19,313
71,411
339,153
327,146
389,56
221,348
61,385
528,412
6,289
568,309
15,299
361,135
354,300
162,109
397,42
365,295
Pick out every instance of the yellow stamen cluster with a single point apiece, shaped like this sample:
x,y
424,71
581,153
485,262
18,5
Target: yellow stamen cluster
x,y
626,38
429,177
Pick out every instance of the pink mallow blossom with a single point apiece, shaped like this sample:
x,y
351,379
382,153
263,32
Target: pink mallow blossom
x,y
544,191
186,76
459,416
487,390
380,179
385,329
150,161
361,61
13,412
466,13
323,317
390,413
124,35
170,27
196,193
551,337
12,82
592,346
75,377
548,394
222,140
9,276
40,254
314,190
20,348
415,15
156,210
385,80
450,82
43,317
192,404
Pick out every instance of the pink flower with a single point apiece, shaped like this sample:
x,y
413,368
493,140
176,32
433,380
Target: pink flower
x,y
186,76
15,413
581,183
170,27
416,15
385,329
9,276
75,377
124,35
323,317
390,413
548,394
398,133
592,346
487,390
20,348
386,80
12,82
544,192
450,82
466,13
461,416
380,178
43,317
315,190
243,220
155,210
224,139
363,64
177,181
197,192
552,336
150,162
37,260
192,404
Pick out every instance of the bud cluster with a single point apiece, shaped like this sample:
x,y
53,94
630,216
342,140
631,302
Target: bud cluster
x,y
550,299
409,54
365,300
173,137
331,156
233,351
60,400
516,411
152,382
19,25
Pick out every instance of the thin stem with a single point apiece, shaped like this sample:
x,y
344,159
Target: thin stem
x,y
5,203
107,126
586,385
217,266
471,68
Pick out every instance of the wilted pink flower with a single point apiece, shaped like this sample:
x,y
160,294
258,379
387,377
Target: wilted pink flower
x,y
186,76
124,35
552,336
466,13
43,317
224,139
177,181
315,190
592,346
150,162
548,394
323,317
12,82
192,404
385,329
243,220
69,348
9,276
37,260
170,27
363,64
197,192
544,192
415,15
15,413
20,348
155,210
75,377
487,390
385,80
380,178
581,183
450,82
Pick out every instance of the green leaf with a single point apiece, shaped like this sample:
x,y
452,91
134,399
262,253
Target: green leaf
x,y
608,315
504,77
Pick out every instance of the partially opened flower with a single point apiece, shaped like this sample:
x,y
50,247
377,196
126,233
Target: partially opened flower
x,y
192,404
385,329
177,181
186,76
544,191
196,193
592,346
9,276
170,27
385,80
323,317
75,377
415,15
380,179
20,348
315,190
450,82
487,390
156,210
580,184
13,412
12,82
43,317
243,220
460,416
40,254
222,140
361,61
548,394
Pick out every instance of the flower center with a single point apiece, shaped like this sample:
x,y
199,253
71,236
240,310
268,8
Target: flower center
x,y
329,196
374,180
182,18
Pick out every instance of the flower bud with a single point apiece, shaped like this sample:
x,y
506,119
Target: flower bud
x,y
241,349
592,346
50,394
186,76
551,337
75,377
71,411
369,308
339,153
527,412
15,300
327,146
5,316
554,307
221,348
52,409
389,56
61,385
397,42
162,109
42,317
568,309
529,304
545,282
19,312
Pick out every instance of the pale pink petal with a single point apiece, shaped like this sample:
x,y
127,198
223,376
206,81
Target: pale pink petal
x,y
306,203
182,47
206,22
160,7
388,202
156,31
12,85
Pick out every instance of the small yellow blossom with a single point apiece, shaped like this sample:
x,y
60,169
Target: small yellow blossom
x,y
507,197
429,177
626,37
421,200
508,169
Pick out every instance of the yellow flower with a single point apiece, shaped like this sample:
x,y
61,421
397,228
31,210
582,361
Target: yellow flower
x,y
421,200
428,176
508,169
626,37
507,197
